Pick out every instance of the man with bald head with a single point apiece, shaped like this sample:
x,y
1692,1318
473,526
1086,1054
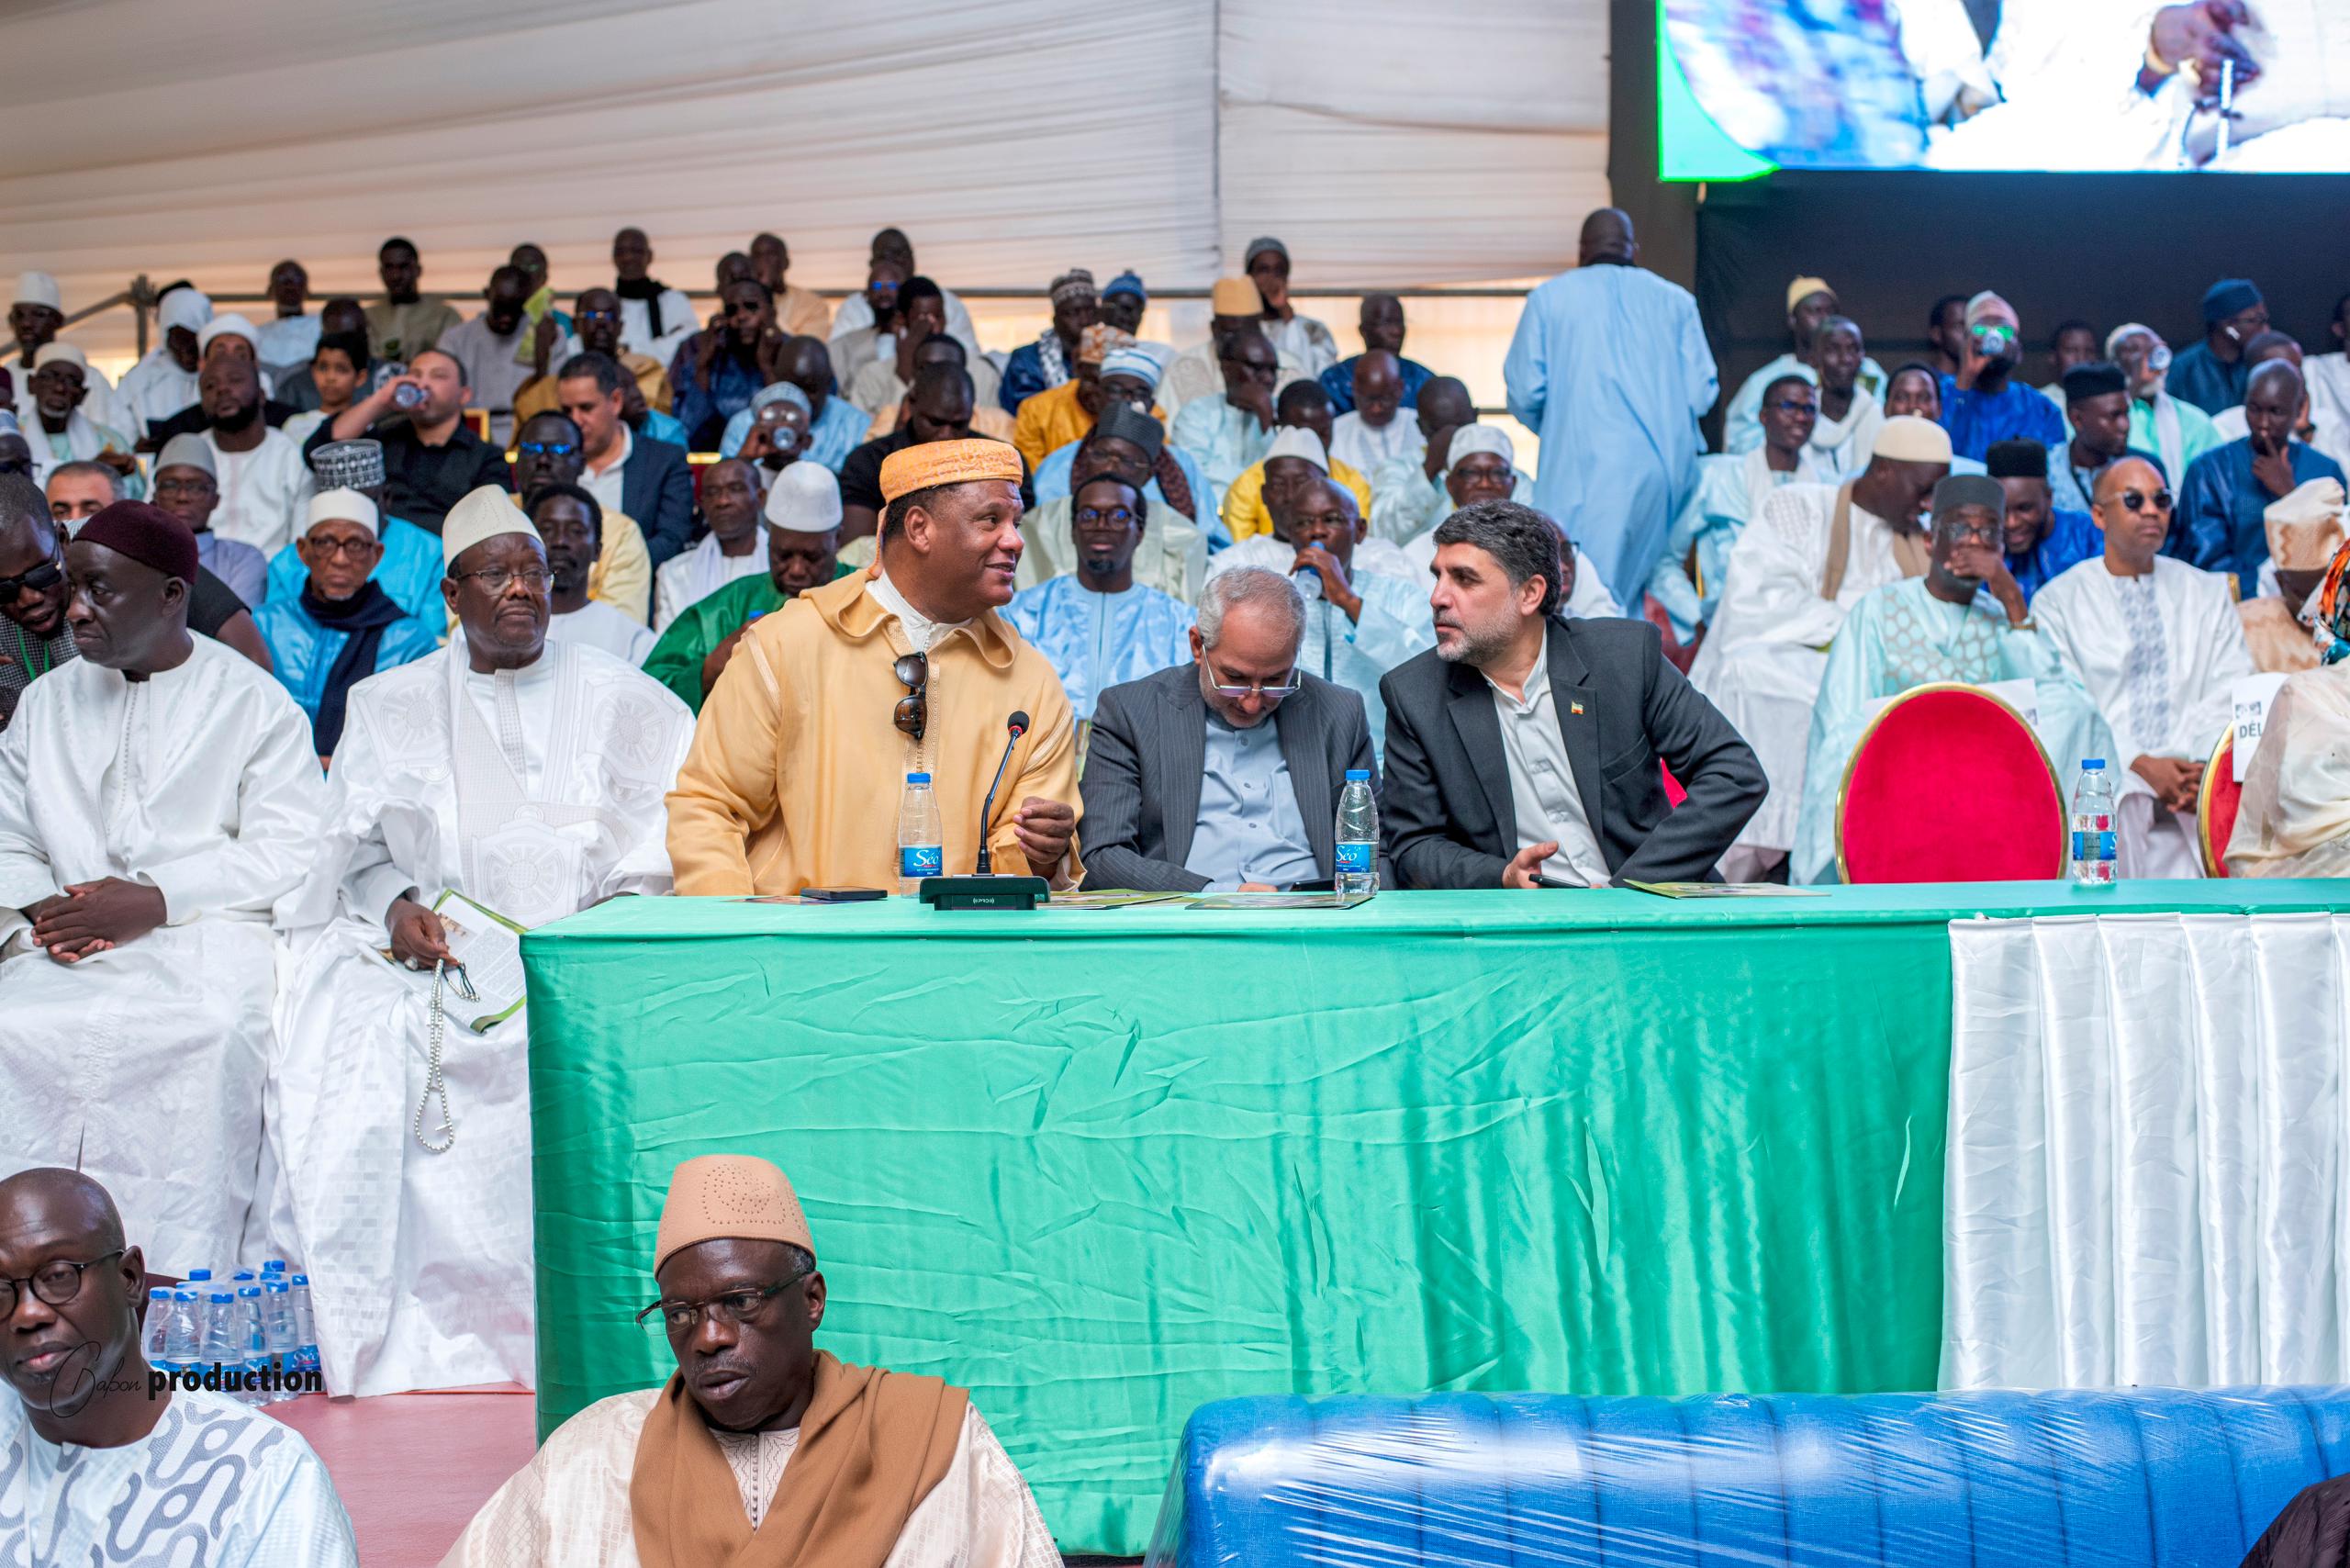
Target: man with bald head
x,y
836,427
102,1449
1381,322
796,310
2220,526
505,774
654,319
875,1467
158,794
1610,367
2312,427
1965,620
2160,647
1373,431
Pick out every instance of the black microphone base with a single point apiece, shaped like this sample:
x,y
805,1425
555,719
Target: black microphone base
x,y
984,893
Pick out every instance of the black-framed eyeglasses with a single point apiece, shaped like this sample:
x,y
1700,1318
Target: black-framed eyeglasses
x,y
1118,515
331,548
497,580
2132,500
41,579
546,448
912,712
596,316
741,1307
57,1282
194,483
1791,406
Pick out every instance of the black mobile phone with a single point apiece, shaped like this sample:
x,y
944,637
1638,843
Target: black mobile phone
x,y
840,895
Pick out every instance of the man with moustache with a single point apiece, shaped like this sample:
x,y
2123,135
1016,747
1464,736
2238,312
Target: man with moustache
x,y
1097,625
521,775
734,546
264,484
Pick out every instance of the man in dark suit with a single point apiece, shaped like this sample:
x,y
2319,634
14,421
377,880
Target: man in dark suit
x,y
1187,788
656,488
1523,750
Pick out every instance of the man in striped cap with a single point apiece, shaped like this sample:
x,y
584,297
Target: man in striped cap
x,y
906,667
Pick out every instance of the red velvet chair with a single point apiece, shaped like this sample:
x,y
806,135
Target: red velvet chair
x,y
1949,785
2216,805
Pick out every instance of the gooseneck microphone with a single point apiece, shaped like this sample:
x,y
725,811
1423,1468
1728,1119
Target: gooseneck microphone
x,y
1018,726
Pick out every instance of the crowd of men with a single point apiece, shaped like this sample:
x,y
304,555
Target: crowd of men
x,y
328,642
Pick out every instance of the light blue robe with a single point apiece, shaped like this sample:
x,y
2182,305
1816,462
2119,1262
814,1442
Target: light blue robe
x,y
1902,636
1743,420
410,572
1225,441
1394,626
1056,473
1610,367
1100,640
1718,510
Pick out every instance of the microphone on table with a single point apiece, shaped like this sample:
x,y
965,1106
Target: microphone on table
x,y
1018,726
983,889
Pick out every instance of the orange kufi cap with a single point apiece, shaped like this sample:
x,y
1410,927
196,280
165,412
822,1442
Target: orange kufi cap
x,y
933,463
736,1196
1236,296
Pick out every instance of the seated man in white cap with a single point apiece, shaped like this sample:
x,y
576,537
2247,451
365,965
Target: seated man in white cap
x,y
188,485
1129,383
1481,467
53,407
760,1448
1963,620
234,337
1125,442
2160,647
342,627
1730,488
570,521
504,781
36,315
734,545
409,568
801,551
265,485
1300,441
163,382
2305,529
158,794
1802,564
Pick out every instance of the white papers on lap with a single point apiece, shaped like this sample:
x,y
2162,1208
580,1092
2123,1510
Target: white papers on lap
x,y
2252,696
488,948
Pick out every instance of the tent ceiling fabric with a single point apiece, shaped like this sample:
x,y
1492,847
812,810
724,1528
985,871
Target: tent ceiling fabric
x,y
1010,140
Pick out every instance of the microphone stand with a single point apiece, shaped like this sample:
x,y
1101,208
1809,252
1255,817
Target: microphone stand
x,y
983,889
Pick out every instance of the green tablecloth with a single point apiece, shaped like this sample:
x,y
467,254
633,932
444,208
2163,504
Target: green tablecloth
x,y
1100,1167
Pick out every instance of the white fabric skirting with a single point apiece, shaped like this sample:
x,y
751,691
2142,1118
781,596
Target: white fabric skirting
x,y
2145,1169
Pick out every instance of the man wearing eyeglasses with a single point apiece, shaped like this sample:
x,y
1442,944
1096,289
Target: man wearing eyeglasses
x,y
525,776
1965,619
1188,789
549,450
101,1453
409,568
33,591
596,329
2160,647
760,1447
1097,625
158,795
342,627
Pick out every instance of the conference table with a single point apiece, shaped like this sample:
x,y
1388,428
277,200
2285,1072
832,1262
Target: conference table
x,y
1102,1166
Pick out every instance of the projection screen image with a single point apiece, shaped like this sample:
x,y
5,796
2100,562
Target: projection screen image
x,y
2066,85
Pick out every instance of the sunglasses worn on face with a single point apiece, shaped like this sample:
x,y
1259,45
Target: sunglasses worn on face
x,y
912,712
2138,500
41,579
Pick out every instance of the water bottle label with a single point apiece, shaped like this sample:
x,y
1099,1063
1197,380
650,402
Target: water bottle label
x,y
2089,846
1354,859
917,860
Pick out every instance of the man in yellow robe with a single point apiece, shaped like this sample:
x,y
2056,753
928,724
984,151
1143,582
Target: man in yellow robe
x,y
1050,420
830,702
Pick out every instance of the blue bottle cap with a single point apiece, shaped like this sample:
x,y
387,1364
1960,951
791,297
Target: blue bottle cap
x,y
194,1275
183,1295
917,777
249,1290
272,1265
302,1279
242,1274
1354,773
275,1287
159,1292
222,1296
2092,765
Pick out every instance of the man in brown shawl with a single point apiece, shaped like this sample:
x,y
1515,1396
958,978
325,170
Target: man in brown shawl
x,y
761,1451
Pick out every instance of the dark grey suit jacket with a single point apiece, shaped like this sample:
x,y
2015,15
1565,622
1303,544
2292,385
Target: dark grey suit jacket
x,y
657,491
1141,787
1448,818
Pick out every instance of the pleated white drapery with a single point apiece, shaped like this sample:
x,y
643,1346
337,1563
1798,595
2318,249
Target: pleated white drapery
x,y
2145,1164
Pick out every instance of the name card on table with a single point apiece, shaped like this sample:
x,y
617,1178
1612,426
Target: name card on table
x,y
2253,695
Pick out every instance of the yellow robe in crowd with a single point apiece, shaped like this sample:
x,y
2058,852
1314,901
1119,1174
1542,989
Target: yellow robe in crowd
x,y
1050,420
1245,513
796,768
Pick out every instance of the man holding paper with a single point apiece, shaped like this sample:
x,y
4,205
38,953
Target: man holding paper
x,y
502,782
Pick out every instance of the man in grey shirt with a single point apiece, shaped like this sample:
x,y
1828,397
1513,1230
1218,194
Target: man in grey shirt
x,y
1188,788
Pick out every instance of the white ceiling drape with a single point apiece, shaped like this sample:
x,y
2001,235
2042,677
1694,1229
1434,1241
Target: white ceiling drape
x,y
207,138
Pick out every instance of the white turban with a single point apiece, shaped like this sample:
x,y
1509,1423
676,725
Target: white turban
x,y
61,353
1469,440
39,288
483,514
187,450
2116,338
1906,438
184,308
229,326
806,499
1296,441
343,506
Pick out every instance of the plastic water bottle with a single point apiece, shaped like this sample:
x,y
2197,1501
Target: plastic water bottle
x,y
2093,861
184,1339
277,1329
220,1345
1358,849
1309,583
156,1339
921,836
254,1337
306,1333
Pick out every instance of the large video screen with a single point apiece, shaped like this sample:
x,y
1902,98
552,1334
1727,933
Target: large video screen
x,y
1748,86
